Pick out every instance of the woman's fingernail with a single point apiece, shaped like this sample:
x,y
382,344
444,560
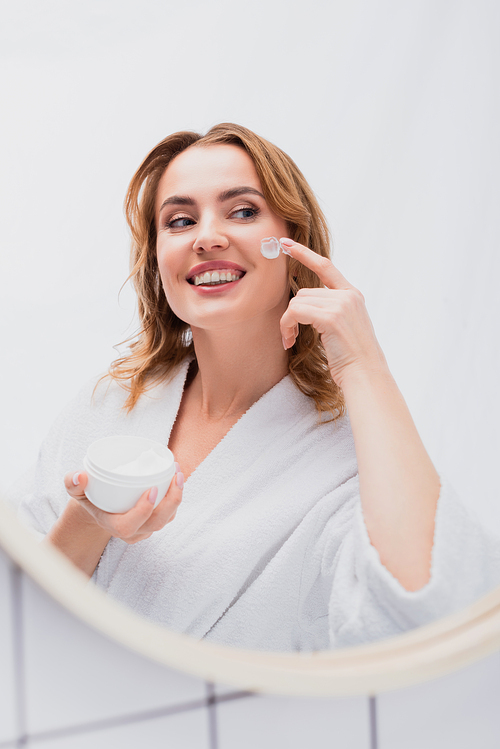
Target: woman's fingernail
x,y
153,493
177,467
287,242
180,479
76,479
284,342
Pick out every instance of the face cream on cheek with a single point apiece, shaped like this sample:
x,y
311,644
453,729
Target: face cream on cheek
x,y
270,248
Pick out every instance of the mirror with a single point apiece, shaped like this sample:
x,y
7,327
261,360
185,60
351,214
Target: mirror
x,y
425,653
400,148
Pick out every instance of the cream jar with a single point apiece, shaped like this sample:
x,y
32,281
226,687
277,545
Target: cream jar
x,y
121,468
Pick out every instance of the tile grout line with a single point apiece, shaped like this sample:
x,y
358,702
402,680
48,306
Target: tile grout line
x,y
18,651
122,720
106,723
372,704
212,715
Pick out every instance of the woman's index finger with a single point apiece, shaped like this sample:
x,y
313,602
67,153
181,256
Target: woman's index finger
x,y
322,266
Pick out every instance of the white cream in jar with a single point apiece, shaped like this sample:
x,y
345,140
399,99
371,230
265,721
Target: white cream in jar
x,y
146,463
121,468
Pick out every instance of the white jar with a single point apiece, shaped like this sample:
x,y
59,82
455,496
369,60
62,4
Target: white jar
x,y
116,492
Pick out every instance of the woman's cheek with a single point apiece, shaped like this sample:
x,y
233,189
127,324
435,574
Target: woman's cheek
x,y
174,300
167,279
168,263
276,284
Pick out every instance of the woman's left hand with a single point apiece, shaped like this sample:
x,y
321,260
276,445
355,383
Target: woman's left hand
x,y
338,312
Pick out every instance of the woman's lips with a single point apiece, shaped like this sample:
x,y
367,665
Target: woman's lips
x,y
215,265
216,288
216,277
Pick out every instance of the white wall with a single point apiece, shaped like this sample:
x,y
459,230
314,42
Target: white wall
x,y
391,110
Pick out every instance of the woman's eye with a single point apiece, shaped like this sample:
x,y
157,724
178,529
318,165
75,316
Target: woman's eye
x,y
245,213
180,222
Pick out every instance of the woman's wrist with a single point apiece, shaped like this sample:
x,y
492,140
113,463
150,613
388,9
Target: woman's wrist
x,y
367,377
77,535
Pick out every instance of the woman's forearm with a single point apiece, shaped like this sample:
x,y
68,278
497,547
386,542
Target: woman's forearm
x,y
79,537
399,485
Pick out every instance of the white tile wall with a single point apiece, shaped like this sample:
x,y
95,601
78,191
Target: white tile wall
x,y
8,727
75,675
458,711
82,690
293,723
178,731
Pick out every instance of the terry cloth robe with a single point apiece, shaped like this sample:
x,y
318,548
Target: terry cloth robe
x,y
269,549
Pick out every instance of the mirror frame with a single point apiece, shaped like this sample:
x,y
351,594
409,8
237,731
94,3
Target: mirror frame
x,y
414,657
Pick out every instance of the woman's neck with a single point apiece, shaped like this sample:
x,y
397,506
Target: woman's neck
x,y
234,371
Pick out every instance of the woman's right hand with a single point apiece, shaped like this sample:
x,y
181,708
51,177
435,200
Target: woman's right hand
x,y
138,523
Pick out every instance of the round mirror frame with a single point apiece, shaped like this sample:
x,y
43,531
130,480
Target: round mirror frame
x,y
419,655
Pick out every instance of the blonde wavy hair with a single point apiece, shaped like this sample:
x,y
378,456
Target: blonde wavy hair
x,y
163,340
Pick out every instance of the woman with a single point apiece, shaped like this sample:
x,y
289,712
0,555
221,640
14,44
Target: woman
x,y
245,366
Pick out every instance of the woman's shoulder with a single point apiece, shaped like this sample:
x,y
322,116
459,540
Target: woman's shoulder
x,y
93,404
100,407
317,441
324,427
98,395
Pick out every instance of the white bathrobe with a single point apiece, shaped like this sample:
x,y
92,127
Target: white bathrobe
x,y
268,549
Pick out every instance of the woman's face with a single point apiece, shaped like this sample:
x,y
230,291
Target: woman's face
x,y
211,216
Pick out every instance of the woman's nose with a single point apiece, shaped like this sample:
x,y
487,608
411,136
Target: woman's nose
x,y
210,236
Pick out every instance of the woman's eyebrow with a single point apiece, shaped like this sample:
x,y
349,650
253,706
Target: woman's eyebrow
x,y
223,196
177,200
235,191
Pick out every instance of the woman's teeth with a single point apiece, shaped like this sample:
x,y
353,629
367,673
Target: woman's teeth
x,y
216,277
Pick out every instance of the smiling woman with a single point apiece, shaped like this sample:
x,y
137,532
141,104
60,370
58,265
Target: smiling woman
x,y
288,524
